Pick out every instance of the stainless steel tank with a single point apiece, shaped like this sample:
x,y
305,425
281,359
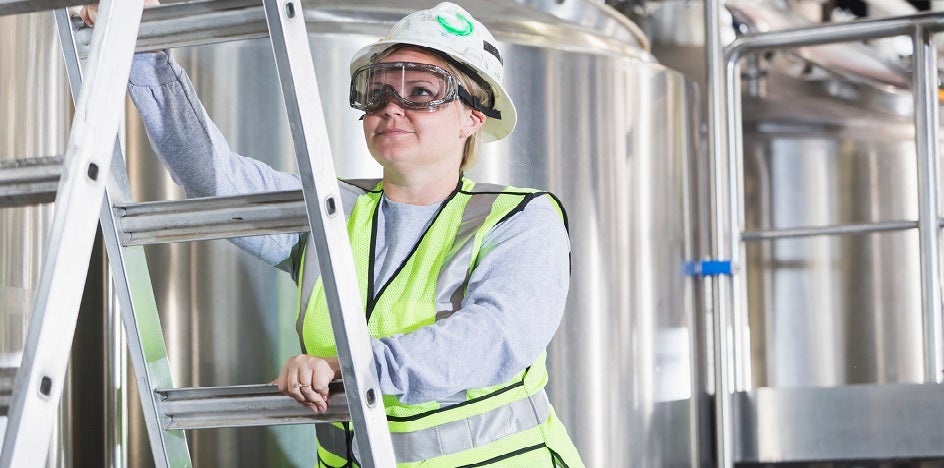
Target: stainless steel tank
x,y
602,125
832,310
622,157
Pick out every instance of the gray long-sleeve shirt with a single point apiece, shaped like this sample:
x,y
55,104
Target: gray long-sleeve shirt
x,y
515,297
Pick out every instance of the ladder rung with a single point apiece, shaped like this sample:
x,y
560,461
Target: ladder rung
x,y
29,181
211,218
193,23
12,7
244,405
215,21
7,380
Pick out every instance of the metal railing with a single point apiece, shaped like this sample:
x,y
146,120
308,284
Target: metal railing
x,y
732,364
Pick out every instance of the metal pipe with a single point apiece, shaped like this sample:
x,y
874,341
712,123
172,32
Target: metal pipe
x,y
724,440
833,32
740,335
926,141
116,381
699,430
756,79
833,230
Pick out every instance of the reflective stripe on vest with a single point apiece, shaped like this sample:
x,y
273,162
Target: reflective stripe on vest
x,y
454,275
453,437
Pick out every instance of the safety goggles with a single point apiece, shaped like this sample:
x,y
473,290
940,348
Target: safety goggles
x,y
414,86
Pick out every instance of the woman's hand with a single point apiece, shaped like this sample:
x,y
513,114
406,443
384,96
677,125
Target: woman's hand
x,y
305,378
88,13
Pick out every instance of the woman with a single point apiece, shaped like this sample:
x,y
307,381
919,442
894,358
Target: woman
x,y
464,283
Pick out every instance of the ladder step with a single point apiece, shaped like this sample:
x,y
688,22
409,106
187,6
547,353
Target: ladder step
x,y
30,181
244,405
193,23
7,380
214,21
211,218
12,7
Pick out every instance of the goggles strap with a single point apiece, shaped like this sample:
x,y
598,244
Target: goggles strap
x,y
477,104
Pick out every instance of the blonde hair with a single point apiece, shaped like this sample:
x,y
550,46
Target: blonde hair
x,y
474,85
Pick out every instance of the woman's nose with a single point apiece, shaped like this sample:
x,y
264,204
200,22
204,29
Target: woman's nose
x,y
392,107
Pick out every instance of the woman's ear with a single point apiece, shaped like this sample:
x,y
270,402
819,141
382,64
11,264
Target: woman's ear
x,y
473,119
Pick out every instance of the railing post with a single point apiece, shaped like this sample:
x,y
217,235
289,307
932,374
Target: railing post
x,y
724,443
925,88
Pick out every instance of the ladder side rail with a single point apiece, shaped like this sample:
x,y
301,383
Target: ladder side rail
x,y
39,382
133,287
289,36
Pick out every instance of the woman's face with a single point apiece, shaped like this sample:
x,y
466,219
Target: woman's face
x,y
410,140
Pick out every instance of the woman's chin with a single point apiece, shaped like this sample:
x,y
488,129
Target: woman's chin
x,y
391,157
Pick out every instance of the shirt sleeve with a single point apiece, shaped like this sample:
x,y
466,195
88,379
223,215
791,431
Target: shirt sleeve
x,y
195,152
513,306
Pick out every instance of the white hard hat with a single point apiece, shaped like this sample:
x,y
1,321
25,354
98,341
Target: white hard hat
x,y
451,30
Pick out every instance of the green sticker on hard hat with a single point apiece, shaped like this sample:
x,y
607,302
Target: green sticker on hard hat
x,y
464,28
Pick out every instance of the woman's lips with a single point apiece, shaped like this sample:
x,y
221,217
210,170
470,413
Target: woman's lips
x,y
392,132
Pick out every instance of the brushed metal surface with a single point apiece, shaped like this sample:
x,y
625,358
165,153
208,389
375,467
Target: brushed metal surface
x,y
856,422
831,311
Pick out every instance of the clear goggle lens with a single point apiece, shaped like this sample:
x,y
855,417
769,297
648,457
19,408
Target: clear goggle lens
x,y
414,86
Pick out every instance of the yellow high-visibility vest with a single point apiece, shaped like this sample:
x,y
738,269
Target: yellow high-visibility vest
x,y
511,424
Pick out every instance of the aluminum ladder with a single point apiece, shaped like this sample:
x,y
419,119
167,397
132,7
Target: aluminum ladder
x,y
94,157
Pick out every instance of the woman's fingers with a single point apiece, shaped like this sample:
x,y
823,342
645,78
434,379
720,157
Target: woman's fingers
x,y
305,378
310,397
313,398
281,380
88,14
300,391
